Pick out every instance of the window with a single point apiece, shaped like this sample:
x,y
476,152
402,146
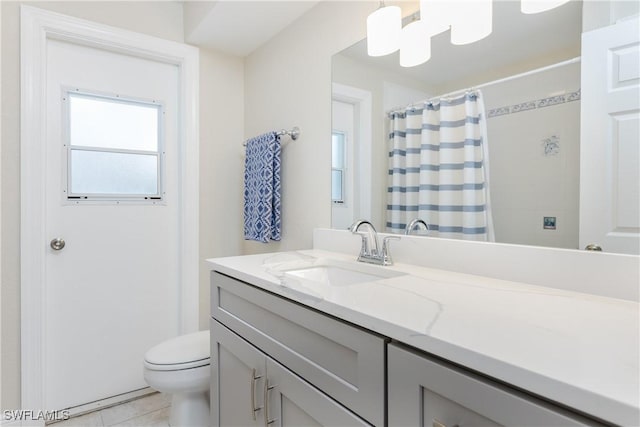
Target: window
x,y
338,163
114,148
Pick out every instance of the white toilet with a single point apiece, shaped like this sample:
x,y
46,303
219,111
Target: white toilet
x,y
180,367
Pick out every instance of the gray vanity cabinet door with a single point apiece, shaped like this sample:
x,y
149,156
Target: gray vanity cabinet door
x,y
345,362
238,372
427,392
242,377
292,402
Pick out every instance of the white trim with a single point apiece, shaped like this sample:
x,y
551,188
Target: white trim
x,y
110,401
38,26
362,101
1,116
84,409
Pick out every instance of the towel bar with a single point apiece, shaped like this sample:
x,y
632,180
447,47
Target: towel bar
x,y
294,133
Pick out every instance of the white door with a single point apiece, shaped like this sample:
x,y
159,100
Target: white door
x,y
344,210
351,118
112,180
610,139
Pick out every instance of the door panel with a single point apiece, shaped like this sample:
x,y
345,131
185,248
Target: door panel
x,y
610,139
238,375
113,291
292,402
343,122
244,378
429,392
293,415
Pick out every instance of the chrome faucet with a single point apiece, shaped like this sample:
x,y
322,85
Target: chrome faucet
x,y
369,252
413,224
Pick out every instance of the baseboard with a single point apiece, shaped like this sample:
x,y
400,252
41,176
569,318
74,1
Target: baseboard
x,y
110,401
8,420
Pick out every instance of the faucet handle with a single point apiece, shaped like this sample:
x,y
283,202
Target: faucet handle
x,y
364,248
386,255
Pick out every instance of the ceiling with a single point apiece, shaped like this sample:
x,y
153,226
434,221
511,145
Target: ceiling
x,y
238,27
517,43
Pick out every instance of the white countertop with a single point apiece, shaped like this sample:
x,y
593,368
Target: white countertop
x,y
576,349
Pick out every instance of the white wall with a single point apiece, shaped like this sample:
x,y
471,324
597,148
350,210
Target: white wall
x,y
221,130
221,163
288,83
527,185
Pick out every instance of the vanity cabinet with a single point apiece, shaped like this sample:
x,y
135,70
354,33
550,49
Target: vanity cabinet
x,y
252,389
278,362
424,391
318,365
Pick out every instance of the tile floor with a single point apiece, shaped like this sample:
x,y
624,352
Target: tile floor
x,y
152,410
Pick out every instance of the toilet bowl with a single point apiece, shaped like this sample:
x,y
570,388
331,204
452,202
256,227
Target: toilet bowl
x,y
180,367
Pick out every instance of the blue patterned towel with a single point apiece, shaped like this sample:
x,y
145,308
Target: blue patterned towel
x,y
262,188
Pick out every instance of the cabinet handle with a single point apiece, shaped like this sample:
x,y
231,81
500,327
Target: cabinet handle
x,y
267,389
254,377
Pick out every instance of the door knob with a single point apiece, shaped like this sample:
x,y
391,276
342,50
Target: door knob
x,y
57,244
593,247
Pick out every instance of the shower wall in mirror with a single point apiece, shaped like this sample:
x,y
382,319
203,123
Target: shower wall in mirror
x,y
533,122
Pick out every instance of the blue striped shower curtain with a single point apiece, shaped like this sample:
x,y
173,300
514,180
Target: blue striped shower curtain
x,y
438,168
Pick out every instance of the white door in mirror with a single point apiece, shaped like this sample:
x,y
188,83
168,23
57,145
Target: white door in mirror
x,y
610,139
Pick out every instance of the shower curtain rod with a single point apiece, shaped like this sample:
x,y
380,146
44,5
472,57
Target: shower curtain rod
x,y
294,133
503,80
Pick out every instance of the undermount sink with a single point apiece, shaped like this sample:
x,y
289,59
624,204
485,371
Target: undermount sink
x,y
320,277
336,273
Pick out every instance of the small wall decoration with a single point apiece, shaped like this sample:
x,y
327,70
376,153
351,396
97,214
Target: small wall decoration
x,y
551,146
549,223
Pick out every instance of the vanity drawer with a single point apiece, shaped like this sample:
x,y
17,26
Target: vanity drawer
x,y
427,391
345,362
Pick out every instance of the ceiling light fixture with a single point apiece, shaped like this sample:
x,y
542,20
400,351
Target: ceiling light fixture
x,y
472,21
436,15
469,21
415,44
383,30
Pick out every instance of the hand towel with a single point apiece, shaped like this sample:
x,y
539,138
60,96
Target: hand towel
x,y
262,188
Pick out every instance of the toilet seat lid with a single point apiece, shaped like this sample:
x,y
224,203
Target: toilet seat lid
x,y
181,350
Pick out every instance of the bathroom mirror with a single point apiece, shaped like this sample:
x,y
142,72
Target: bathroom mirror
x,y
533,152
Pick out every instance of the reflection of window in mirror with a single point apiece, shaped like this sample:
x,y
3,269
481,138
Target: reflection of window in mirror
x,y
338,166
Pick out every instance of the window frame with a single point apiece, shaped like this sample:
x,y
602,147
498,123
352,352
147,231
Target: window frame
x,y
110,198
342,170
